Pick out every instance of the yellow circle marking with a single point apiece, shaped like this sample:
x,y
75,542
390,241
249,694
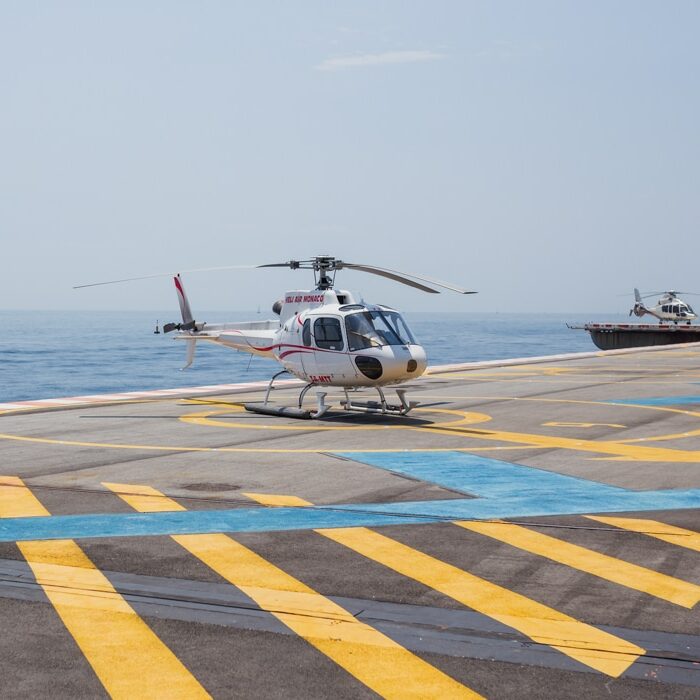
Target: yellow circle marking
x,y
616,449
620,404
520,441
204,418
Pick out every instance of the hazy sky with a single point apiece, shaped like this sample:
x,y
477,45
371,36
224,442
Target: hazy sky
x,y
544,153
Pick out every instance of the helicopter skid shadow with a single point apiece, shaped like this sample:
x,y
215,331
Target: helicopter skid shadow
x,y
372,419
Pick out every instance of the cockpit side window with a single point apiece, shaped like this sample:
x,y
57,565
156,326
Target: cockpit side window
x,y
306,333
328,334
361,332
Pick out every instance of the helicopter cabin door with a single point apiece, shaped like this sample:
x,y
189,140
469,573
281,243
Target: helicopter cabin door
x,y
331,361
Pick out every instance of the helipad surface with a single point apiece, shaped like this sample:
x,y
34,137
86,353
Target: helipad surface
x,y
531,530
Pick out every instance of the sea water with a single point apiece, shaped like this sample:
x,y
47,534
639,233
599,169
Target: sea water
x,y
49,354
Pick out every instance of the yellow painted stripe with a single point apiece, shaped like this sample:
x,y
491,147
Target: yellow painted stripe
x,y
661,531
268,499
601,565
373,535
127,656
17,501
373,658
616,449
144,498
544,625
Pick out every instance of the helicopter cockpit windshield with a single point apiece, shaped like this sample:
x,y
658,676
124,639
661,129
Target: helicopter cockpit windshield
x,y
376,328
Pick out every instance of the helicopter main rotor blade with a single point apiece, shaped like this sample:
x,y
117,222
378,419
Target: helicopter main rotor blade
x,y
401,277
324,264
670,292
335,265
166,274
291,264
391,276
404,278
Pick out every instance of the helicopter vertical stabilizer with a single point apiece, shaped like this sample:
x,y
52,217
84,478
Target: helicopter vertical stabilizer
x,y
182,299
639,309
187,319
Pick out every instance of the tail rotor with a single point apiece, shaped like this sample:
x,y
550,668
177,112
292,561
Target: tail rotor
x,y
638,309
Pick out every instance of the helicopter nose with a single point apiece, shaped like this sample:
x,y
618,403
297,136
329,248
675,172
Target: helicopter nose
x,y
406,363
418,362
392,363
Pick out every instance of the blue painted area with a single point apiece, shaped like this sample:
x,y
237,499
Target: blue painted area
x,y
479,476
660,401
502,490
533,504
187,522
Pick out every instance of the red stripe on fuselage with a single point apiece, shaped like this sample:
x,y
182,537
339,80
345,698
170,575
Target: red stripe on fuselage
x,y
303,348
292,352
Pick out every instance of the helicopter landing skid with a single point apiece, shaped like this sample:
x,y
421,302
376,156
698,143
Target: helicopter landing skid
x,y
290,411
381,407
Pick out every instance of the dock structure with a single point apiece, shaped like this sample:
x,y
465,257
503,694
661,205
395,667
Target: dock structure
x,y
616,336
532,529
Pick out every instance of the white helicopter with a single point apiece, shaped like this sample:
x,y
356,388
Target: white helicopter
x,y
669,307
325,337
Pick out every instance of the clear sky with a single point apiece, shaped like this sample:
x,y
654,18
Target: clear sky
x,y
544,153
